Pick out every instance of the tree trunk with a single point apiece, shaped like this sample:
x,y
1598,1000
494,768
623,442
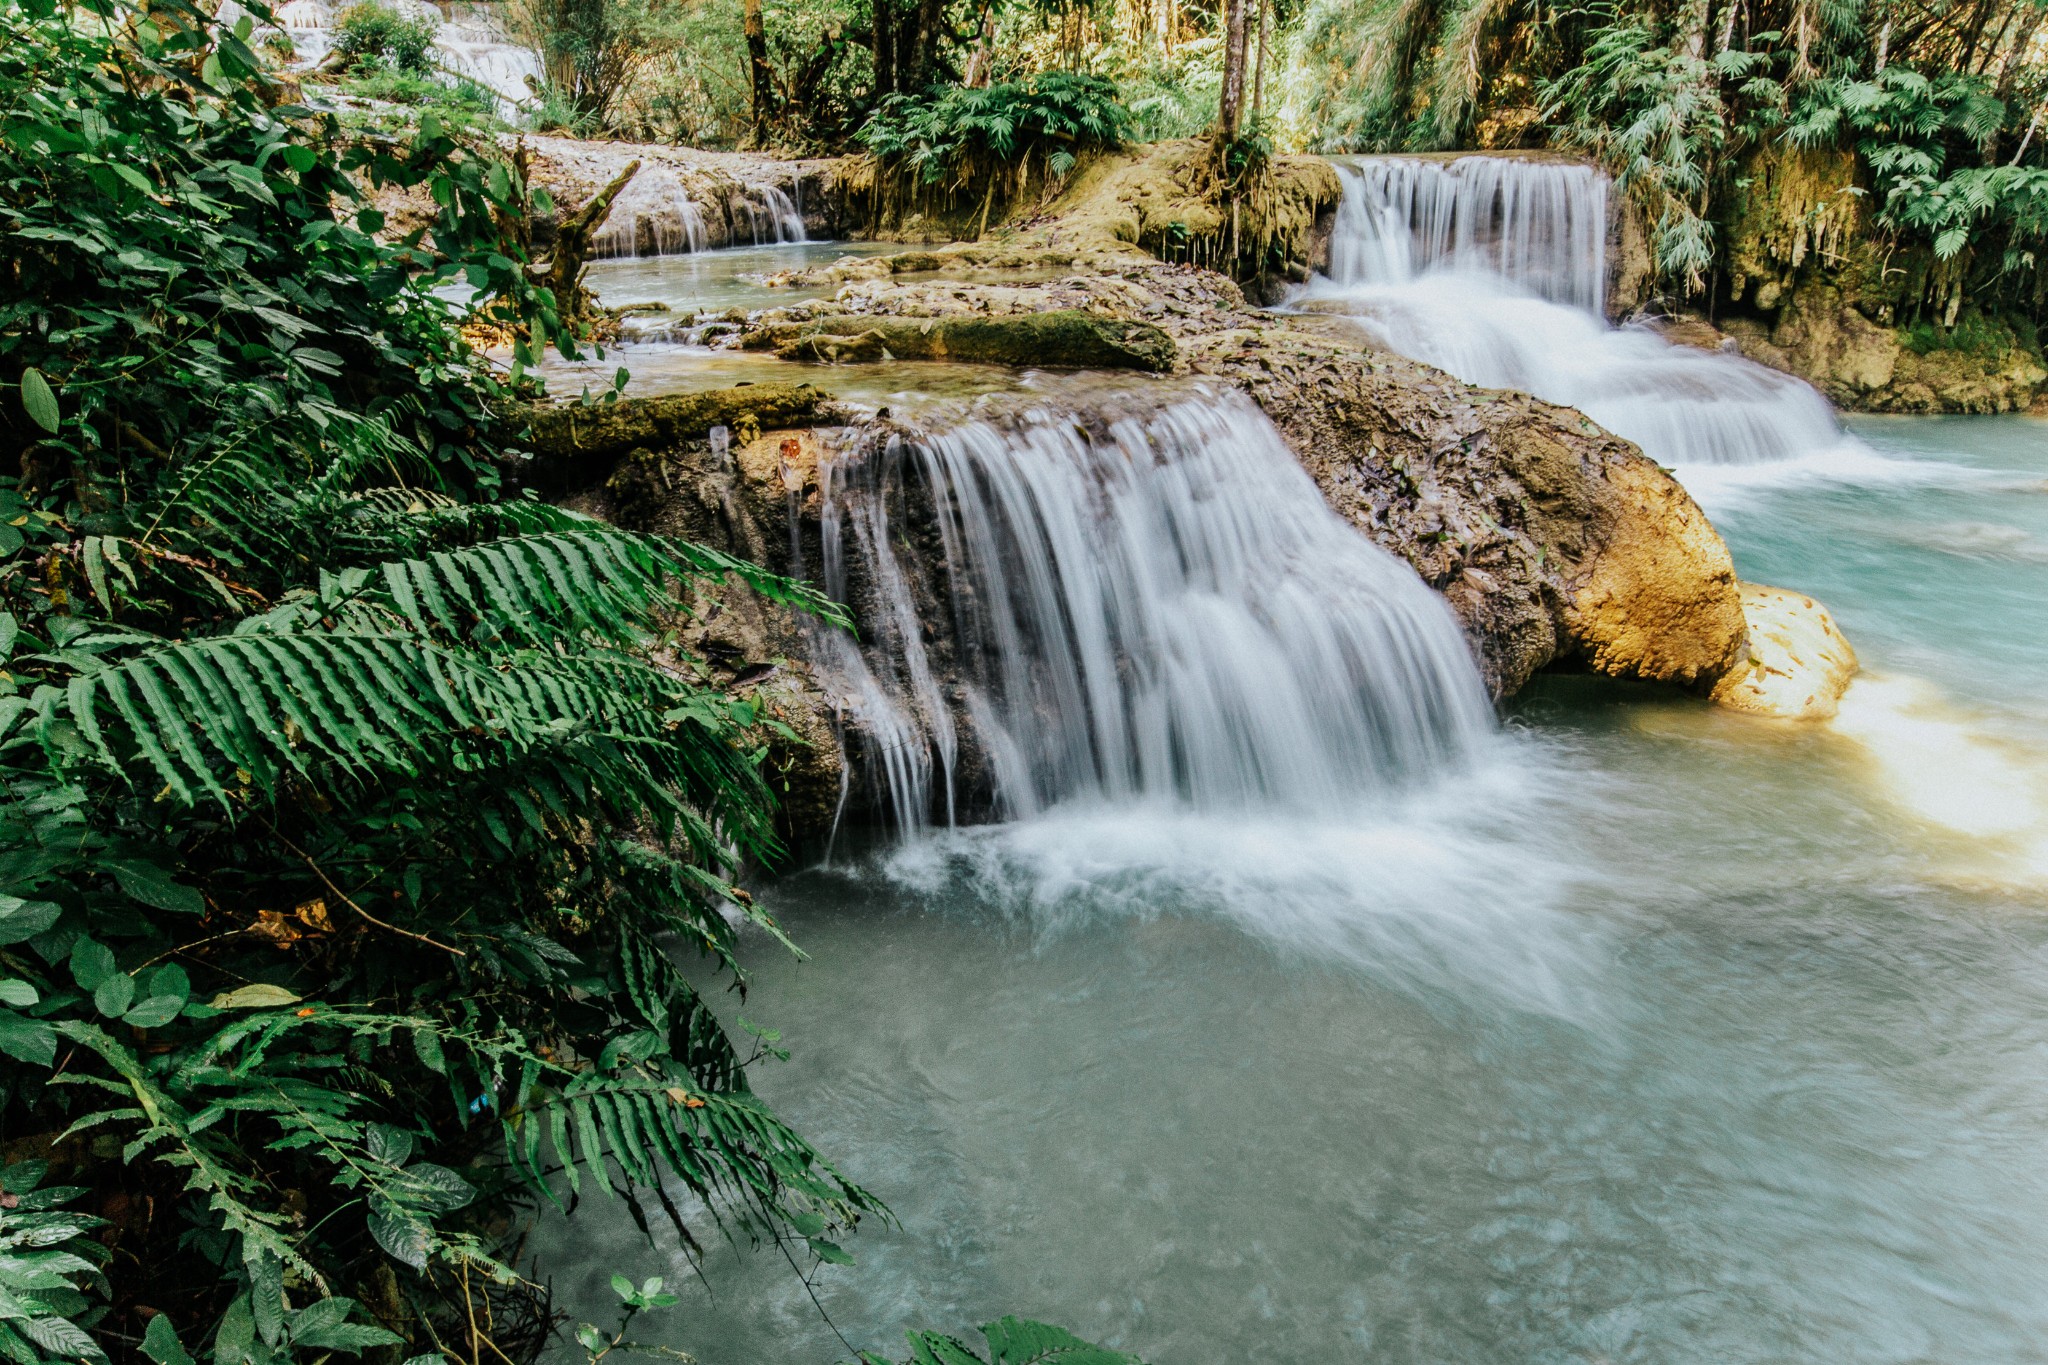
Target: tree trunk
x,y
564,277
1259,71
761,75
980,67
885,49
1233,69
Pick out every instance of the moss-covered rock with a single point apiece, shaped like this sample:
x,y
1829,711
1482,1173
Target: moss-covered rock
x,y
1062,338
575,445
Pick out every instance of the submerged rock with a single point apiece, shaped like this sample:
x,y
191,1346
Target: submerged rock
x,y
1797,664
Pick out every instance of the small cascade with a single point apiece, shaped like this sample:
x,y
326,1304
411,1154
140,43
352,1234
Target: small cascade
x,y
468,42
1494,269
1152,604
653,216
776,219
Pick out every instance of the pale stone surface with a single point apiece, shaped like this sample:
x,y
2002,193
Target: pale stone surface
x,y
1799,662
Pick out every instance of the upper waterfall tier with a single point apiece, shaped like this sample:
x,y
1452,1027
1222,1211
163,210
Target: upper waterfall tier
x,y
1494,269
1539,226
1150,603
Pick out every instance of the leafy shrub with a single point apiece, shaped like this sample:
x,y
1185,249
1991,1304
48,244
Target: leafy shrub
x,y
374,35
1922,138
950,133
463,104
350,810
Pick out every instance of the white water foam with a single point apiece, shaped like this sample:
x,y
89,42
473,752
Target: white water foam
x,y
1494,269
656,210
1153,606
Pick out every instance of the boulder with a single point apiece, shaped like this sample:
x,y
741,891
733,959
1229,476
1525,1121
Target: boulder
x,y
1555,541
1797,664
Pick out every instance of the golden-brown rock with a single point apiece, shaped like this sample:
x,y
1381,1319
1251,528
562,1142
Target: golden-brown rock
x,y
1797,664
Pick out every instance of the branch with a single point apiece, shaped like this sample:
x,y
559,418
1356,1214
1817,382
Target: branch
x,y
345,898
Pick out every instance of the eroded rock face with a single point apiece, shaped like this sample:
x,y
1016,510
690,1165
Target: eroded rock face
x,y
1797,664
1866,367
1555,541
1066,338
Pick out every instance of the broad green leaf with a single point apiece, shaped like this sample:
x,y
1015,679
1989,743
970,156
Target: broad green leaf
x,y
154,1012
160,1342
41,402
113,996
92,962
257,997
151,886
27,1040
21,920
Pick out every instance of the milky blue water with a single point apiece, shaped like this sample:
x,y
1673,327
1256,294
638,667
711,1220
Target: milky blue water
x,y
1662,1035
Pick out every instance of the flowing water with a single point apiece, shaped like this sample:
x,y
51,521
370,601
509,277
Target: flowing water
x,y
1302,1011
469,41
1656,1034
1495,270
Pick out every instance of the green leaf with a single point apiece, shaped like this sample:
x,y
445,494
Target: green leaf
x,y
154,1012
257,997
19,994
393,1146
160,1342
151,886
830,1252
92,962
62,1337
22,920
403,1236
27,1040
41,402
113,996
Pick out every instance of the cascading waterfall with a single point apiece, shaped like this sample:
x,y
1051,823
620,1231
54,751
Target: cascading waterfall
x,y
655,210
1494,269
469,42
776,219
1147,605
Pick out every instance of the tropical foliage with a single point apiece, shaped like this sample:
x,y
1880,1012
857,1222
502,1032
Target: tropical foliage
x,y
956,134
353,812
1011,1341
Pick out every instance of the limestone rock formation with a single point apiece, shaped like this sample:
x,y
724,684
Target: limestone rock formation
x,y
1797,665
1555,541
1063,337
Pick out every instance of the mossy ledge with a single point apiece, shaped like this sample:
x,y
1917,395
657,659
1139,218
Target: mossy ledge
x,y
1066,338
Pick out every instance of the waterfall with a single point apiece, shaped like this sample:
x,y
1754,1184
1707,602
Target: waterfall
x,y
1153,604
469,42
1494,269
653,210
777,213
1541,226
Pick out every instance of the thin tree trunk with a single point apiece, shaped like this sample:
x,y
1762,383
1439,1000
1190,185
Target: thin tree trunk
x,y
885,49
1259,71
761,75
1233,68
564,277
